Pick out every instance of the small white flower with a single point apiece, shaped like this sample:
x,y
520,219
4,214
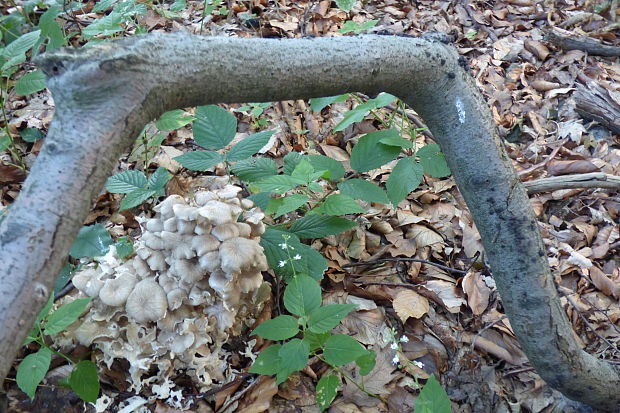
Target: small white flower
x,y
281,264
418,364
394,346
283,245
297,257
404,339
395,360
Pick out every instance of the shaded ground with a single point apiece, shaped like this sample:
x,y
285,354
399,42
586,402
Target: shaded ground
x,y
539,96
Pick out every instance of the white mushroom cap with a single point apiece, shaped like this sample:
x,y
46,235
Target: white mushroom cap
x,y
153,241
142,268
156,261
204,243
210,261
218,212
154,225
147,302
225,231
185,212
90,330
88,281
188,270
186,227
165,206
176,297
238,254
115,291
202,197
245,230
171,224
229,191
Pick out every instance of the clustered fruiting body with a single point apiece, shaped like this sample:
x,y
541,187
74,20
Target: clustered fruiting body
x,y
194,282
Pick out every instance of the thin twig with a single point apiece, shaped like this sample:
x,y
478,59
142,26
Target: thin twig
x,y
380,261
552,155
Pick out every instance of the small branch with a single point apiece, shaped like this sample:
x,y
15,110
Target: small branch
x,y
552,155
443,267
569,41
589,180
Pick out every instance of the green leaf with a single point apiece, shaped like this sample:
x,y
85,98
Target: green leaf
x,y
366,362
319,226
302,295
214,127
106,26
51,29
325,163
352,27
255,169
31,371
135,198
363,190
315,340
291,160
325,318
433,398
125,182
103,5
199,160
5,142
290,203
30,83
396,141
19,46
341,349
84,381
311,262
326,390
63,277
92,241
317,104
279,184
369,153
338,204
433,161
173,119
261,199
304,171
65,315
279,328
268,361
316,262
293,357
31,135
249,146
178,5
34,331
405,177
345,5
360,111
124,247
158,179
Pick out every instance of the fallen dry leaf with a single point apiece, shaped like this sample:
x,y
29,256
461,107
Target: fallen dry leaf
x,y
407,303
477,292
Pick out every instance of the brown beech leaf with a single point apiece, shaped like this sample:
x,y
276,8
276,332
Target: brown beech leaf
x,y
11,174
556,168
477,292
604,283
407,303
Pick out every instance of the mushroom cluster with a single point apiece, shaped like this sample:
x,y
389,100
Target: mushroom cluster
x,y
194,282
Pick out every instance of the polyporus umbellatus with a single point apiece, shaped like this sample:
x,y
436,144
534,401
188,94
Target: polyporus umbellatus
x,y
194,283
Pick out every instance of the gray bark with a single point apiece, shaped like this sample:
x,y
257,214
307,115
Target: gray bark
x,y
105,94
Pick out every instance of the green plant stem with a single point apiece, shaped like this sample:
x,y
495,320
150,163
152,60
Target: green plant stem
x,y
39,340
359,386
372,111
145,142
4,89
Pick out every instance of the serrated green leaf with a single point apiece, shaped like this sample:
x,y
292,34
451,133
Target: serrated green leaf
x,y
178,5
279,328
125,182
65,274
396,141
271,242
405,177
290,203
65,315
173,119
302,295
291,160
325,318
214,127
255,169
84,381
124,247
261,199
158,179
363,190
135,198
339,204
30,83
249,146
106,26
103,5
51,29
92,241
433,398
326,390
5,142
34,331
360,111
433,161
21,45
325,163
268,361
315,340
303,171
199,160
317,104
315,261
318,226
369,153
293,357
366,362
341,349
31,135
32,370
279,184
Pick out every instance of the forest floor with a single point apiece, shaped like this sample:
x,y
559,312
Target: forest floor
x,y
540,93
